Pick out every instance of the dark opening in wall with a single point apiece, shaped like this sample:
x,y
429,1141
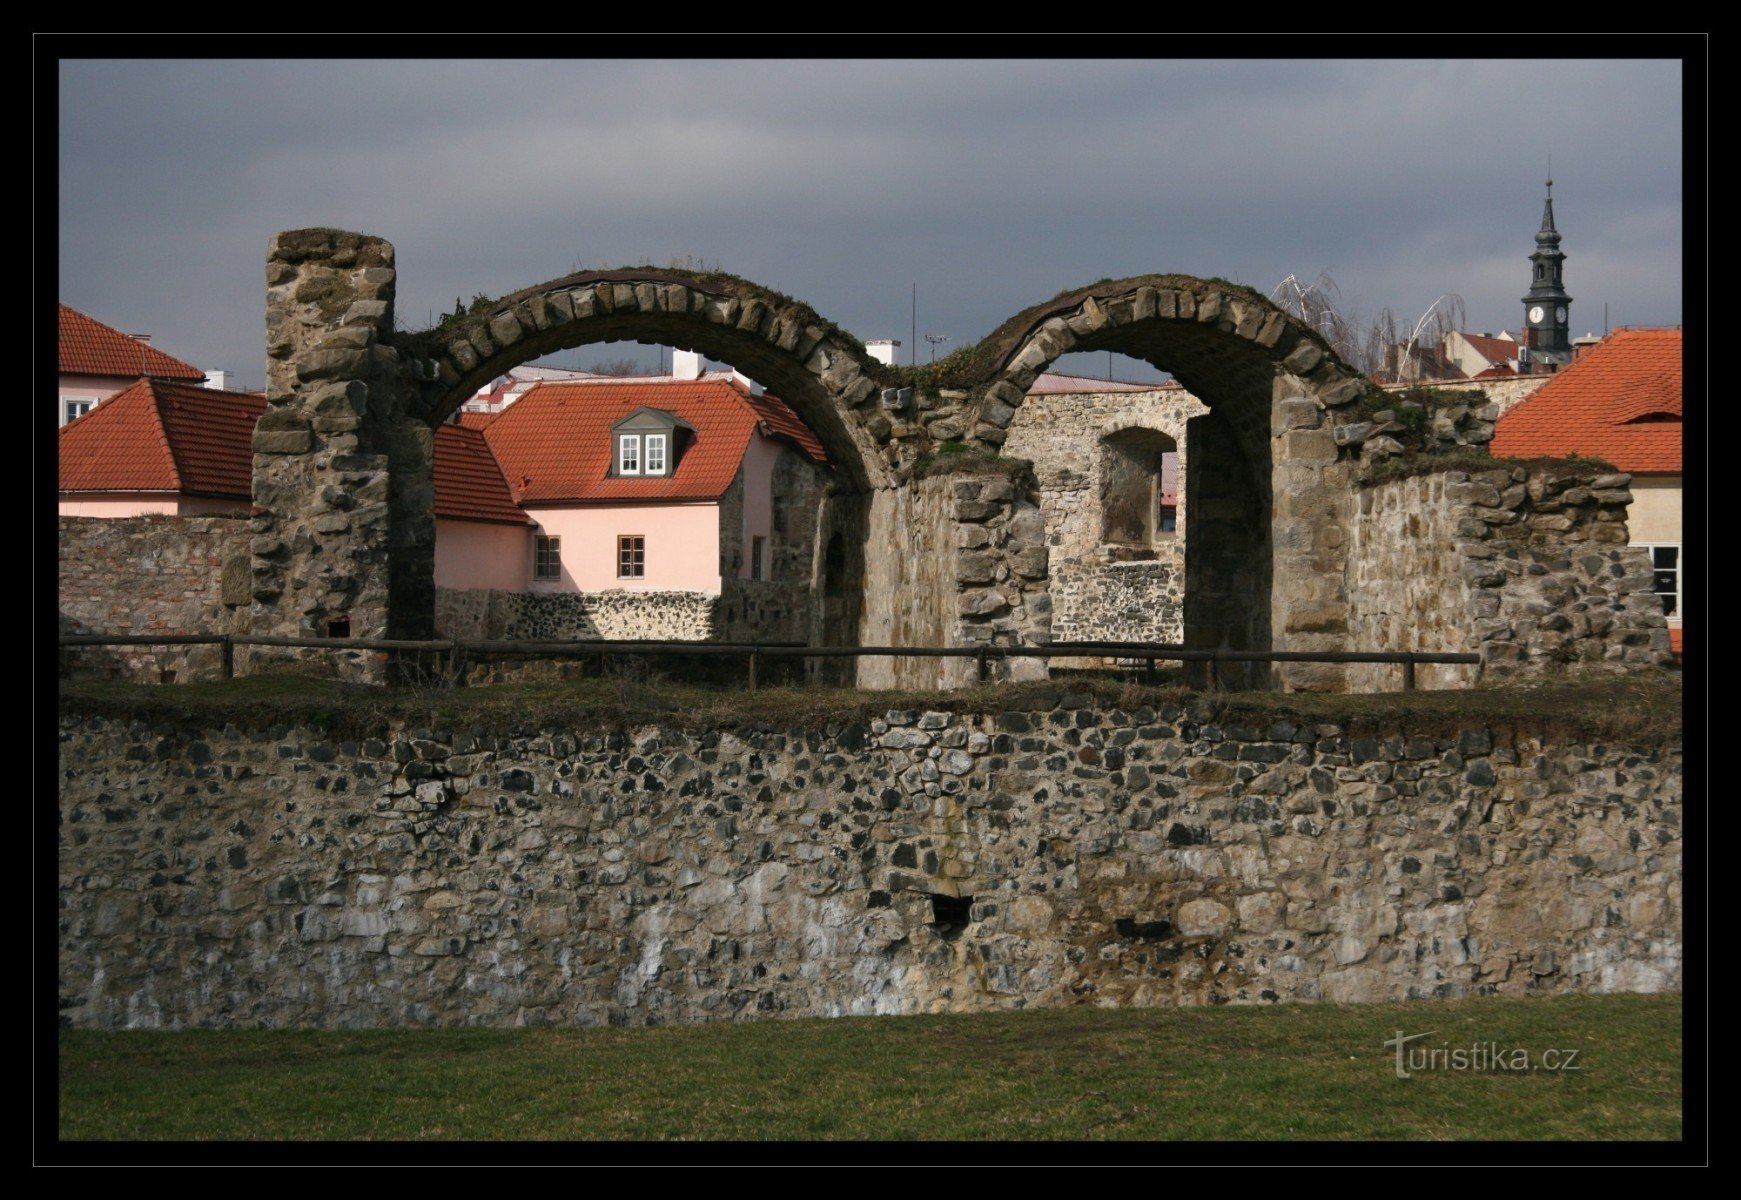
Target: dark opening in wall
x,y
1148,931
949,914
1138,484
338,627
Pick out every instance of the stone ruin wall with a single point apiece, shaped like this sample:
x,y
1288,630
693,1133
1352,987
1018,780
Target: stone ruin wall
x,y
1527,566
152,575
965,558
1405,583
1095,595
1055,853
494,614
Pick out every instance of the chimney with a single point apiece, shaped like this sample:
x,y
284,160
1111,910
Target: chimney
x,y
884,350
685,364
218,381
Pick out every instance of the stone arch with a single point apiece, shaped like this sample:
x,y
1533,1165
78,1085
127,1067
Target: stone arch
x,y
1267,498
344,484
824,375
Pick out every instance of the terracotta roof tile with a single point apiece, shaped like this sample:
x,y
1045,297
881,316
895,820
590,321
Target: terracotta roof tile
x,y
554,443
1620,400
780,421
158,436
476,420
172,437
89,347
469,486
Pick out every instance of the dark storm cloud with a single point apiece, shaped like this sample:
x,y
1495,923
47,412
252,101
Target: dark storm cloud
x,y
992,185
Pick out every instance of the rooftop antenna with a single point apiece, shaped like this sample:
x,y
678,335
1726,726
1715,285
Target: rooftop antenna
x,y
936,339
913,353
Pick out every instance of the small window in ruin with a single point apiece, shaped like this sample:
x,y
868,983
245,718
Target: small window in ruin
x,y
758,552
950,914
1139,470
338,627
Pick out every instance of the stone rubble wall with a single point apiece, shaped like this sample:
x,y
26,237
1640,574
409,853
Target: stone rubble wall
x,y
1553,583
1119,602
1406,587
1503,394
1056,853
152,574
343,489
618,614
1529,566
764,610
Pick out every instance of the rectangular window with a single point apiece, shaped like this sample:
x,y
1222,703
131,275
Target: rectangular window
x,y
655,454
629,454
1665,564
547,557
74,407
758,552
631,557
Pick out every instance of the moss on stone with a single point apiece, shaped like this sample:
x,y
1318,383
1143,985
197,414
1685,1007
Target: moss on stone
x,y
1644,709
1473,458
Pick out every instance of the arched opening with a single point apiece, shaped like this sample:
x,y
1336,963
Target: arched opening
x,y
1261,559
683,504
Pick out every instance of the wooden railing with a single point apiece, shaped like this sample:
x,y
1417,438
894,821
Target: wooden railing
x,y
1147,653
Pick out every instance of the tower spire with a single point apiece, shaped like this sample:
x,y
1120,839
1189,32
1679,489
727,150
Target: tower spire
x,y
1547,328
1548,217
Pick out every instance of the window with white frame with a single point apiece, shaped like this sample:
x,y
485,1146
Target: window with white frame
x,y
547,558
655,454
1665,568
629,454
74,407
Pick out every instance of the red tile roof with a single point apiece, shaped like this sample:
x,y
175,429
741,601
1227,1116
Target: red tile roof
x,y
1620,400
158,436
554,443
89,347
468,484
171,437
476,420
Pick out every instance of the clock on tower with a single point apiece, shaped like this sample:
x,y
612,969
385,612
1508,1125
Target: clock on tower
x,y
1548,332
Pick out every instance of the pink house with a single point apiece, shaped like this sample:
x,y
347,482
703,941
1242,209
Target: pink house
x,y
674,485
98,361
666,508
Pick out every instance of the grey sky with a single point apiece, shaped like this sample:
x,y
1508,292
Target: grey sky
x,y
992,185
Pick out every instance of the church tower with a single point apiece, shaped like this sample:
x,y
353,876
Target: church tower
x,y
1547,330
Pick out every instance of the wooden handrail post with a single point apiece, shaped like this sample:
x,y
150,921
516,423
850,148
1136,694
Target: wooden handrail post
x,y
984,666
1408,673
755,657
229,657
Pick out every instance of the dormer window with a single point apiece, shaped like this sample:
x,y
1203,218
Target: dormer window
x,y
649,441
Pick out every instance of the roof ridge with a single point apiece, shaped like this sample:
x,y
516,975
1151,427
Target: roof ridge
x,y
157,402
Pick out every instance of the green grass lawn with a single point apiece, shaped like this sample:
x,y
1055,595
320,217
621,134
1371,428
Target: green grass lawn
x,y
1289,1072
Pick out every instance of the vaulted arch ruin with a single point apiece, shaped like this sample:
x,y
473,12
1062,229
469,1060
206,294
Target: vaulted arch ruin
x,y
931,536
